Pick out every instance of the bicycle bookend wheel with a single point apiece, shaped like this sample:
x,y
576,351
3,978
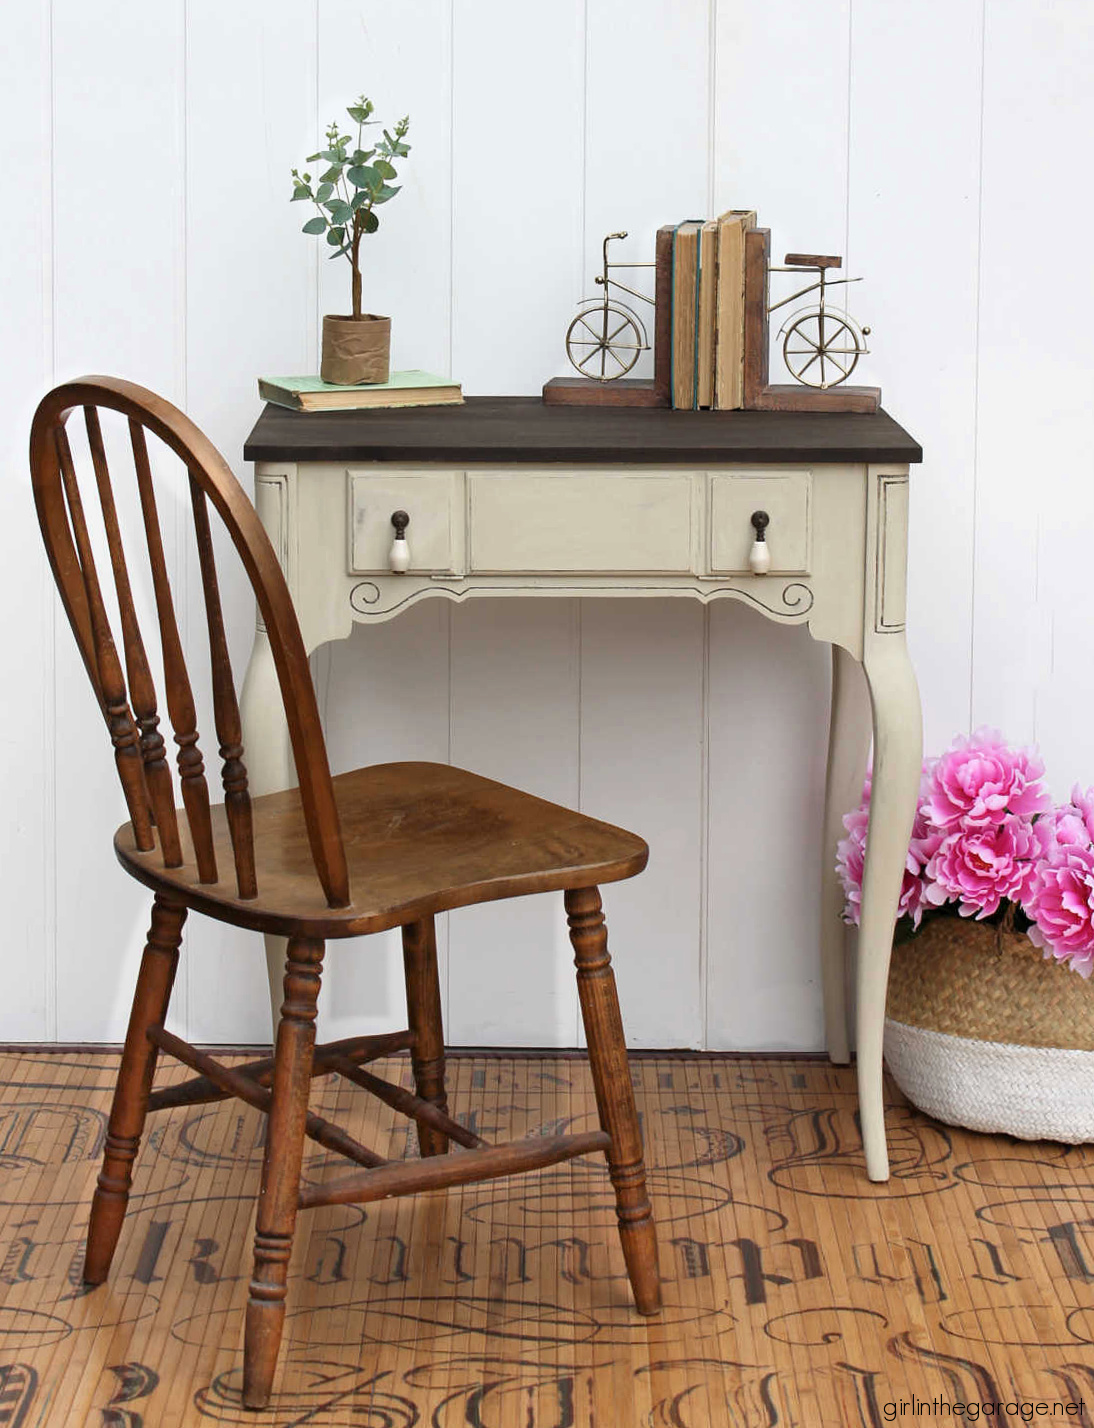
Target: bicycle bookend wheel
x,y
821,349
604,343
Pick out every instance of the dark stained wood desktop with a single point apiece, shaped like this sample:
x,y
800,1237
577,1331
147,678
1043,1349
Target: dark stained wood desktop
x,y
377,848
524,430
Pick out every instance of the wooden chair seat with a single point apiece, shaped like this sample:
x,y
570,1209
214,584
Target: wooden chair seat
x,y
381,847
420,838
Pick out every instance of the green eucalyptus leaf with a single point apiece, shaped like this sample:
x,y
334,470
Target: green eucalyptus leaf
x,y
402,150
312,158
315,225
332,175
360,197
336,237
369,221
384,169
333,156
363,176
358,114
324,191
340,212
300,190
361,156
386,192
342,253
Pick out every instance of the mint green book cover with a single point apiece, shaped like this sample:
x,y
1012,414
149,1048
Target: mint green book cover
x,y
404,387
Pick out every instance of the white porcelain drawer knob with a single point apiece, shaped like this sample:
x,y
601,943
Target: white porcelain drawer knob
x,y
399,555
759,557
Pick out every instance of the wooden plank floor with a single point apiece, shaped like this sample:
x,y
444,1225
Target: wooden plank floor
x,y
796,1293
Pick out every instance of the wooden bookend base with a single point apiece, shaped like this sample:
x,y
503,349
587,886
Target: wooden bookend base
x,y
792,398
583,392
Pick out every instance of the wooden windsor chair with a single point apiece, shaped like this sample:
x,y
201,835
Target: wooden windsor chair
x,y
381,847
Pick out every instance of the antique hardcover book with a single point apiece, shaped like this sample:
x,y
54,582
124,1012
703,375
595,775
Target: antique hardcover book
x,y
729,338
685,312
402,389
708,288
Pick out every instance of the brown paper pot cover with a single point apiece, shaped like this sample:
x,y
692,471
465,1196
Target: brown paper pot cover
x,y
982,1031
356,349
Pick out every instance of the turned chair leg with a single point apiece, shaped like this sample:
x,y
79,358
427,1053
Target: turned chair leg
x,y
130,1105
278,1197
614,1093
423,1007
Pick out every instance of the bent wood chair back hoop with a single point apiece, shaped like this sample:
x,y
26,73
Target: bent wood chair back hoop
x,y
124,684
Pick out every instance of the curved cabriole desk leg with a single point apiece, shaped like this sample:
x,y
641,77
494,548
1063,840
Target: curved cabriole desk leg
x,y
270,768
898,755
848,746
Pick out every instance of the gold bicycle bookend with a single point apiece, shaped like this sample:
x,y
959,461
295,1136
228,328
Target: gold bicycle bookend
x,y
608,335
820,348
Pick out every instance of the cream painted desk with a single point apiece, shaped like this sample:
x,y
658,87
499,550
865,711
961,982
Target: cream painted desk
x,y
509,498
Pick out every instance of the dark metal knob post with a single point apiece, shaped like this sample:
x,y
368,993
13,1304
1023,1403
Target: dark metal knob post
x,y
760,522
400,520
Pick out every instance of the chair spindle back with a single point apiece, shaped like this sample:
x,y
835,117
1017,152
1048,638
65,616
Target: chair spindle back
x,y
125,685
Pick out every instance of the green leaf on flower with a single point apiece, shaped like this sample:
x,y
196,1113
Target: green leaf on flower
x,y
340,212
387,192
324,191
332,175
315,225
300,190
336,236
363,176
384,169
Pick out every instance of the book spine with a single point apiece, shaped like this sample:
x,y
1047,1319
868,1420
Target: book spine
x,y
662,329
279,396
684,303
673,389
695,319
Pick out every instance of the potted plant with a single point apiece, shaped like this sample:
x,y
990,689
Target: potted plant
x,y
356,348
990,1014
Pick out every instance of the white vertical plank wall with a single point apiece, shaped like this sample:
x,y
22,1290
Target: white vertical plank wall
x,y
148,234
249,73
119,284
29,1008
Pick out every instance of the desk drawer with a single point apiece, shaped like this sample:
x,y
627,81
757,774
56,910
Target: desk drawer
x,y
628,522
786,496
431,501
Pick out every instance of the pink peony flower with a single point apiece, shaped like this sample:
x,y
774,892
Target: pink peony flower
x,y
850,860
1061,897
980,866
1083,803
981,781
1069,823
851,857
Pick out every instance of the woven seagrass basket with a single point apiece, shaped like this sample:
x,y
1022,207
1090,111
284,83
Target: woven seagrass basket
x,y
982,1031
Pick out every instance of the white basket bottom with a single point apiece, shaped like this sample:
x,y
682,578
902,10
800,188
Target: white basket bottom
x,y
1031,1092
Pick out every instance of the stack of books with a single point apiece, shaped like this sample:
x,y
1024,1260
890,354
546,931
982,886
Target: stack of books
x,y
708,308
402,389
